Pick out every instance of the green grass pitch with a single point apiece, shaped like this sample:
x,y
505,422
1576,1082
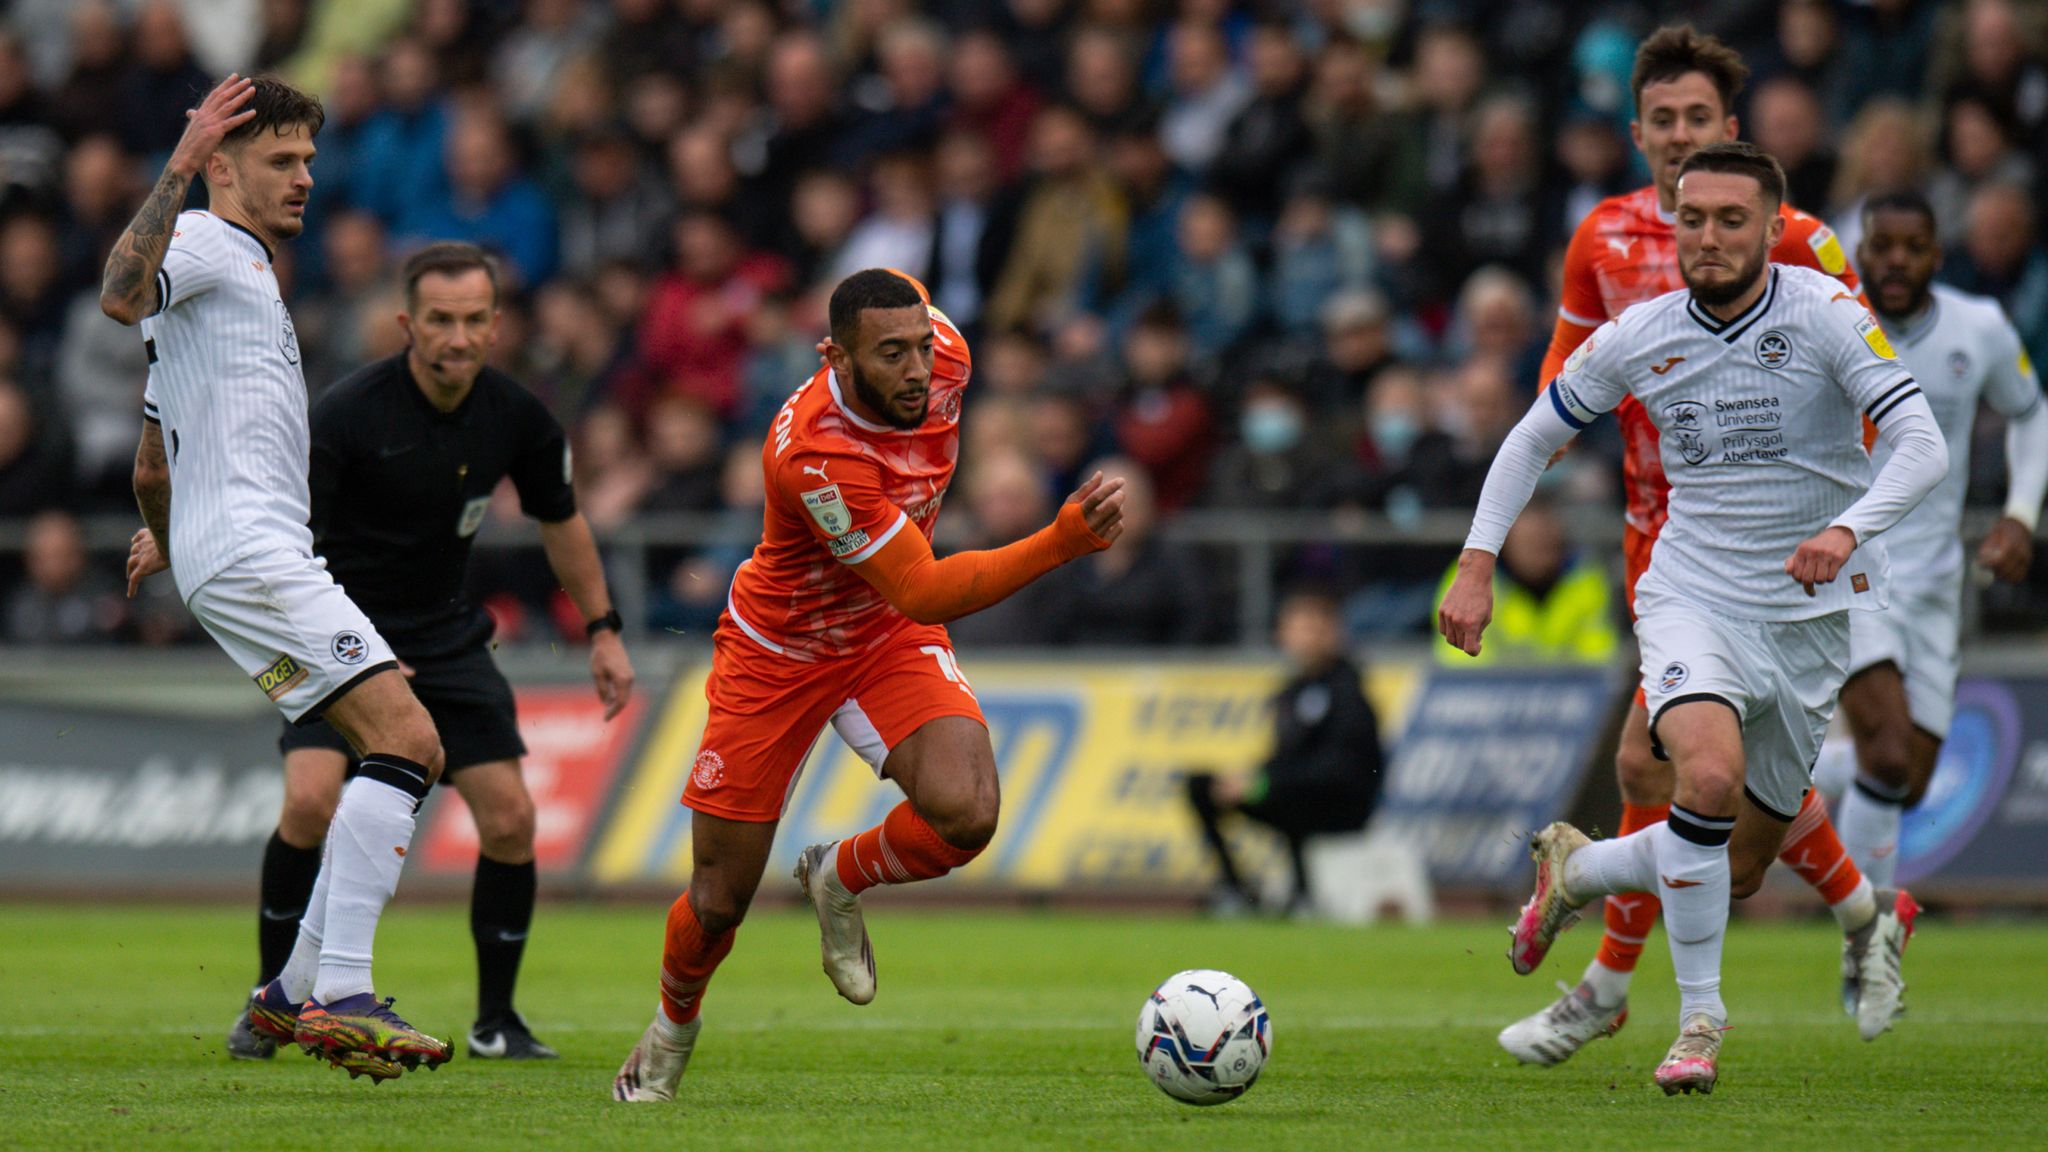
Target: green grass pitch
x,y
1010,1030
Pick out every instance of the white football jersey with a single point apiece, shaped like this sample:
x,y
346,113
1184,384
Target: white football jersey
x,y
1761,433
1961,350
225,384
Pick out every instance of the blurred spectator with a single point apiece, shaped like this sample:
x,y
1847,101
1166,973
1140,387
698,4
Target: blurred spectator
x,y
530,62
645,36
2001,258
1162,421
1215,286
977,219
63,600
1477,404
1357,347
35,466
402,147
1595,160
802,126
693,338
1142,593
351,104
283,30
1496,319
88,102
162,82
30,150
1449,72
1886,151
489,202
1061,439
1978,149
1884,51
1322,773
1034,30
1372,156
914,110
461,36
902,230
1207,94
1102,77
32,296
1788,123
2001,61
1282,460
1072,215
331,320
99,194
1804,50
617,208
612,475
825,210
781,356
576,348
1270,138
1496,213
991,101
683,448
1551,605
1005,503
1321,249
701,176
101,368
1154,195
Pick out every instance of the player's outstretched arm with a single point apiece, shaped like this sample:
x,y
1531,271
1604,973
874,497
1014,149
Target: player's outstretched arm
x,y
572,554
2009,550
150,549
128,285
1468,604
1918,462
934,591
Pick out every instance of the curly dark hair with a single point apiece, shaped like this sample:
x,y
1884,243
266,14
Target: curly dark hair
x,y
1673,51
279,108
1740,158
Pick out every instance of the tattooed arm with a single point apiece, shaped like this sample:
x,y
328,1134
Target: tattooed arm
x,y
128,286
150,550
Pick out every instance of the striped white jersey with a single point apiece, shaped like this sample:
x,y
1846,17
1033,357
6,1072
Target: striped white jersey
x,y
1962,349
1760,422
225,384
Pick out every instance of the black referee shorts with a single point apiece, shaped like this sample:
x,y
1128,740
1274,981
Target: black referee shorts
x,y
469,700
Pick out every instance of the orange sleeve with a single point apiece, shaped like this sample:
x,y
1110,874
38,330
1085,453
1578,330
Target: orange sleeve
x,y
1810,243
934,591
1580,308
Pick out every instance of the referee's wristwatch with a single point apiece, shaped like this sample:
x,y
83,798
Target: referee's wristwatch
x,y
609,622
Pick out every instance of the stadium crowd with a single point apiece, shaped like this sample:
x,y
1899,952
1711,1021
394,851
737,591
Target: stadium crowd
x,y
1295,255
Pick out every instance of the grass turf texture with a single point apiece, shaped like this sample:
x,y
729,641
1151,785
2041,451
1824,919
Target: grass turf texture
x,y
998,1031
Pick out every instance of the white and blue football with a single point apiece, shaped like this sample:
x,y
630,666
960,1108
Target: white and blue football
x,y
1203,1036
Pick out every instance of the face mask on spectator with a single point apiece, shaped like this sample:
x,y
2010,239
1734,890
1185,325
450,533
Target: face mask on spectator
x,y
1269,429
1394,433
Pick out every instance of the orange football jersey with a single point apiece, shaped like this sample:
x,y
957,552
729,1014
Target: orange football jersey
x,y
840,487
1626,252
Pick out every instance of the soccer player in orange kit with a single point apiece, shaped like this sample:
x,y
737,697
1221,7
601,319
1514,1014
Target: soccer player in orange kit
x,y
838,618
1625,253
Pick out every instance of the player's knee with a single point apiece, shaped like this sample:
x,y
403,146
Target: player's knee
x,y
306,814
1644,779
1746,878
719,907
416,739
971,828
505,831
1888,762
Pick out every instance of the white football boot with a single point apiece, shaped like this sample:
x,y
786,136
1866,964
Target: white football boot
x,y
656,1065
842,935
1571,1022
1694,1062
1878,949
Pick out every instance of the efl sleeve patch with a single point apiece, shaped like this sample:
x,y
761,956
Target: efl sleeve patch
x,y
1827,249
828,508
1874,336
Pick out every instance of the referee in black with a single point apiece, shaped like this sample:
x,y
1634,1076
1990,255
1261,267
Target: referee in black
x,y
406,454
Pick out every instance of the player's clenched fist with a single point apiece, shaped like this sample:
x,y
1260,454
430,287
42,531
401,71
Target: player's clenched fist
x,y
2008,551
143,559
1102,506
206,126
1468,606
1819,559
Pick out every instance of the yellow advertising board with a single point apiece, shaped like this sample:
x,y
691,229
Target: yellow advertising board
x,y
1091,756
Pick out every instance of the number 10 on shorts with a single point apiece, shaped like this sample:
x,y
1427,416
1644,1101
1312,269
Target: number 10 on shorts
x,y
949,666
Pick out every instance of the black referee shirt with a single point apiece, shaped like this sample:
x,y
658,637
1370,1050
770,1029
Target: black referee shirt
x,y
400,488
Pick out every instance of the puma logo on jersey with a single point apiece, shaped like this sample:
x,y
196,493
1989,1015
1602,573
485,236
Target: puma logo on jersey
x,y
1661,369
1670,883
1622,247
820,470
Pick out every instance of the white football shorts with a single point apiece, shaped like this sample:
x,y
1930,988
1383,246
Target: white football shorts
x,y
285,622
1918,635
1781,679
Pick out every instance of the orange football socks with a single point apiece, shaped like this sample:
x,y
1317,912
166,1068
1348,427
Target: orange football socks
x,y
902,849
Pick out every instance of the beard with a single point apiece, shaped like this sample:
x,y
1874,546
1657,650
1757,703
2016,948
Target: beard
x,y
1730,290
878,403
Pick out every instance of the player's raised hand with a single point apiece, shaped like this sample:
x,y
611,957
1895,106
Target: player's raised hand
x,y
220,113
2008,551
1102,506
1468,605
1819,559
611,671
143,559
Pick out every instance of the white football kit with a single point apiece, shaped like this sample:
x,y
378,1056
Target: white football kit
x,y
1760,421
226,387
1961,349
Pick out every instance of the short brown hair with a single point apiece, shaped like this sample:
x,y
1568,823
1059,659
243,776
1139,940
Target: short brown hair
x,y
1740,158
447,258
1676,50
279,108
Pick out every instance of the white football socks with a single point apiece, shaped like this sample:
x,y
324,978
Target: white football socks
x,y
303,966
1869,825
366,848
1607,867
1694,882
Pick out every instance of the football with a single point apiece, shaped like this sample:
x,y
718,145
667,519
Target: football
x,y
1204,1036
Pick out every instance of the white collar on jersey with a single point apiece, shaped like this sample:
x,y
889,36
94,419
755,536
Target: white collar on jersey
x,y
846,410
